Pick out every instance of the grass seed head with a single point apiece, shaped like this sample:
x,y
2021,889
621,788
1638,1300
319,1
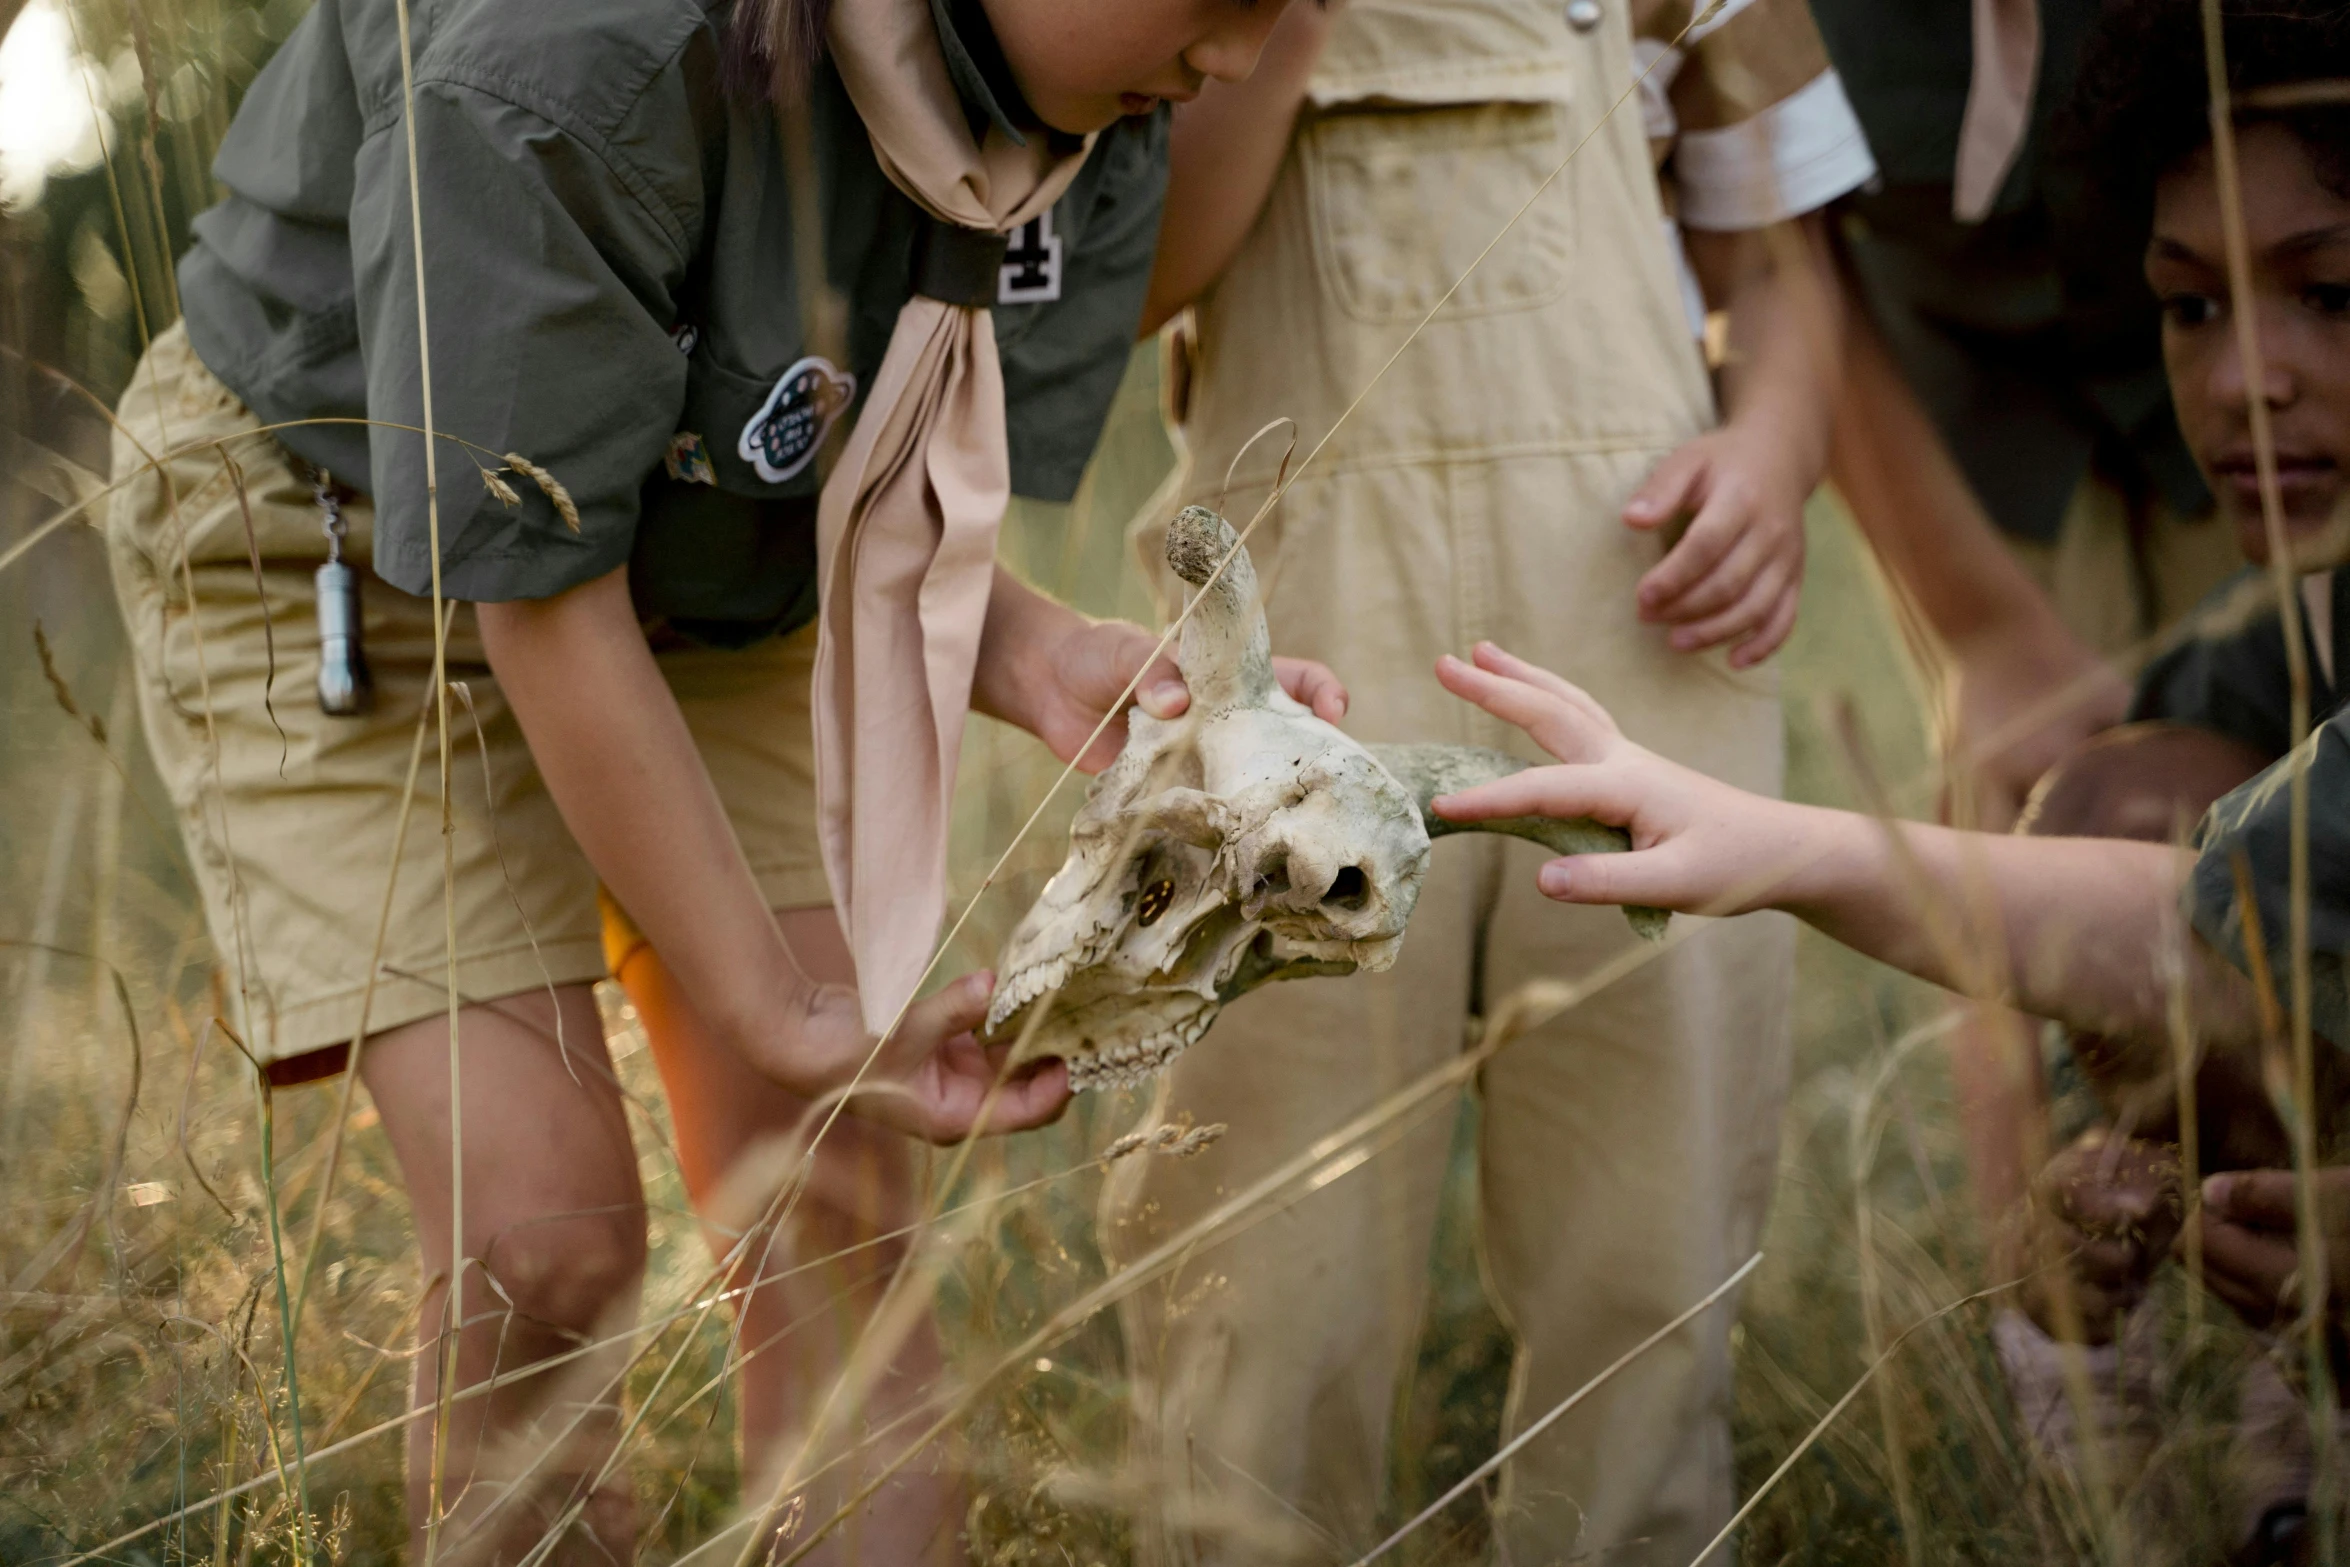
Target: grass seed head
x,y
564,507
503,492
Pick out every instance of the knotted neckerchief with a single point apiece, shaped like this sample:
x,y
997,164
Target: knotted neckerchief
x,y
906,526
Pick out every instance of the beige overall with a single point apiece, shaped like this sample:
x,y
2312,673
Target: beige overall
x,y
1627,1147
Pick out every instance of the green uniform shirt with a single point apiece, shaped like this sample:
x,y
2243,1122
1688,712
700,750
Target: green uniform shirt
x,y
612,267
2231,674
2254,823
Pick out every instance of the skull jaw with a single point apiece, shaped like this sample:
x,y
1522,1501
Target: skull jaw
x,y
1117,1032
1122,1041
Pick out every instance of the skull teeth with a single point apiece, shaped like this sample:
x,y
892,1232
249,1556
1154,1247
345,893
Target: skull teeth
x,y
1136,1061
1050,975
1024,987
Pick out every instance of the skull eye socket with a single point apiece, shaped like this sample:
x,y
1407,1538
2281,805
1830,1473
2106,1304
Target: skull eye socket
x,y
1349,889
1157,899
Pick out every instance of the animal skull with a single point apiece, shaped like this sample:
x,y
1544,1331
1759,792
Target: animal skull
x,y
1243,842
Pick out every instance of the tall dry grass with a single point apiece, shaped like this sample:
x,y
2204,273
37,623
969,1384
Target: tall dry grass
x,y
142,1364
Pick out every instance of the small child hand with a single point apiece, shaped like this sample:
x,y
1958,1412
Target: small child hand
x,y
1698,845
2252,1245
1736,575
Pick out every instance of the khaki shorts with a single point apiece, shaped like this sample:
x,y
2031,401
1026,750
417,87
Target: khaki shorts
x,y
319,870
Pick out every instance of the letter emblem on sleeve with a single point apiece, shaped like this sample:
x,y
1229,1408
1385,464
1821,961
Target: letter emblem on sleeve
x,y
783,436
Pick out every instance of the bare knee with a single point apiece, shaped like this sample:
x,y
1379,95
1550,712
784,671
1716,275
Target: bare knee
x,y
571,1276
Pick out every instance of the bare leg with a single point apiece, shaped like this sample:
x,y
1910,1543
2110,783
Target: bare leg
x,y
554,1232
2002,1105
738,1137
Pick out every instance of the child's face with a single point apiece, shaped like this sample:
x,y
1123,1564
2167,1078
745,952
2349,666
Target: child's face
x,y
2299,236
1083,63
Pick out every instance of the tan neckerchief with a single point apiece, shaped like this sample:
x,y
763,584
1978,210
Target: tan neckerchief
x,y
906,526
1998,103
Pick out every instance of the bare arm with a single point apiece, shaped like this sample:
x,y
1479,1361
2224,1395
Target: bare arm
x,y
1228,146
2068,928
1784,363
624,770
615,751
2026,690
2071,929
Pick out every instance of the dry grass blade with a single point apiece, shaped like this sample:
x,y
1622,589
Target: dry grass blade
x,y
62,1251
236,486
452,1309
489,801
1829,1419
358,1043
1559,1410
90,722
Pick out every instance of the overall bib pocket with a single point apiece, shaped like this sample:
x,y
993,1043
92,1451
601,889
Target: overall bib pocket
x,y
1402,201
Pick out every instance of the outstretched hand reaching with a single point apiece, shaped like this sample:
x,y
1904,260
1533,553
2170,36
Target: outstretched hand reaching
x,y
1698,845
1901,892
2252,1244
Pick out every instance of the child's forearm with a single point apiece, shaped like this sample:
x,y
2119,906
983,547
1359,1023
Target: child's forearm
x,y
1784,353
625,772
2022,690
1913,505
2081,930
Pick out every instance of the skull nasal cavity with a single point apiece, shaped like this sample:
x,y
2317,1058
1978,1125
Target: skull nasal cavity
x,y
1349,889
1272,877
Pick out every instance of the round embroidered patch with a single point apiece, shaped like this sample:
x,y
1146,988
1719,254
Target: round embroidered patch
x,y
783,435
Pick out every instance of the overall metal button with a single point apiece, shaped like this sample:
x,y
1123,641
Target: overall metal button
x,y
1583,15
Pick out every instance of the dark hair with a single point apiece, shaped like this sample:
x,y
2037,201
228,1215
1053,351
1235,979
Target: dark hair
x,y
772,45
2141,104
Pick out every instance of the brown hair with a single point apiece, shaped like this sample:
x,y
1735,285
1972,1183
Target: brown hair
x,y
772,45
2141,103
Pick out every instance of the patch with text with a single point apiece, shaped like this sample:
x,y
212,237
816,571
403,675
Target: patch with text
x,y
782,437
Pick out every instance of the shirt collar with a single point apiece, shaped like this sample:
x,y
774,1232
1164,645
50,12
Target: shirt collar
x,y
982,77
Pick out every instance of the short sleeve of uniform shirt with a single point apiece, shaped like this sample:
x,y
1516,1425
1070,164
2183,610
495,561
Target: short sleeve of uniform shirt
x,y
2252,829
562,247
1748,120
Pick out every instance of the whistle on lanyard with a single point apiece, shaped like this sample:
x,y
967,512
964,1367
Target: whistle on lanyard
x,y
345,688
